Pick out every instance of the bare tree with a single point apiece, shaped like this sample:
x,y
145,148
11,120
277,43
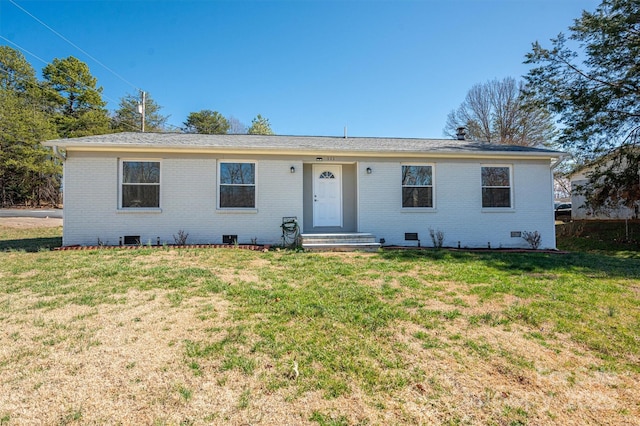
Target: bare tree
x,y
561,186
236,127
496,112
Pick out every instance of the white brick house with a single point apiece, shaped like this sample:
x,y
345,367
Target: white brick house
x,y
151,186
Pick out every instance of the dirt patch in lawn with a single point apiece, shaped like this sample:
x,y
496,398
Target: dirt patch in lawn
x,y
129,363
496,375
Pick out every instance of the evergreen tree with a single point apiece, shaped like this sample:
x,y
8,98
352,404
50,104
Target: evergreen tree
x,y
28,172
260,126
128,119
16,74
595,92
78,105
206,122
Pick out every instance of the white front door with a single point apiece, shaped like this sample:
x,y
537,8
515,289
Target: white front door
x,y
327,195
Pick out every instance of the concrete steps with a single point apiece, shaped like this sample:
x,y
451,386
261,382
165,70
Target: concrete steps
x,y
340,242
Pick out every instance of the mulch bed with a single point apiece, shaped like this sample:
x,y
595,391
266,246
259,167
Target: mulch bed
x,y
170,246
478,250
266,247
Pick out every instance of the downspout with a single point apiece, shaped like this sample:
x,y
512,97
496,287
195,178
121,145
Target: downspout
x,y
559,161
57,153
63,158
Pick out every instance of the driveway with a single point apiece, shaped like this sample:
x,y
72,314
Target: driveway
x,y
34,213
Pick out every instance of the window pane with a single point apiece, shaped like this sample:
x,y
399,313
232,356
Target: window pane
x,y
140,195
327,175
141,172
237,173
495,176
417,197
237,196
496,197
416,175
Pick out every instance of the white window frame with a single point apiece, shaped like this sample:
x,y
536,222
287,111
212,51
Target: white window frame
x,y
433,187
121,183
511,183
255,185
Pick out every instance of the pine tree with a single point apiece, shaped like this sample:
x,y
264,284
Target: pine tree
x,y
128,119
77,102
206,122
595,92
260,126
28,171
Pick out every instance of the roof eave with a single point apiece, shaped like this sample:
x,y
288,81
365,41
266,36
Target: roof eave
x,y
143,148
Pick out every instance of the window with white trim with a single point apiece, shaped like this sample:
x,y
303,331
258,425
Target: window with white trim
x,y
237,185
417,186
496,186
139,184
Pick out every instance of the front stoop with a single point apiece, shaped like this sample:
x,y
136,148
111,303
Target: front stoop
x,y
339,242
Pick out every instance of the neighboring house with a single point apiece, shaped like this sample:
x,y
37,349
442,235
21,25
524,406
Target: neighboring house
x,y
579,211
148,185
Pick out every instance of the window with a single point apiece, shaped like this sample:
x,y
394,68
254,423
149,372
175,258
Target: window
x,y
237,185
140,184
496,186
417,186
327,175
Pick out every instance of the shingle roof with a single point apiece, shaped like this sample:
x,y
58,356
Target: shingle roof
x,y
278,143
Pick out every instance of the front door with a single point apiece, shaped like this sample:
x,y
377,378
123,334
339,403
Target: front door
x,y
327,195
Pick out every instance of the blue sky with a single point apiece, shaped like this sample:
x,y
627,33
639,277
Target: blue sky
x,y
381,68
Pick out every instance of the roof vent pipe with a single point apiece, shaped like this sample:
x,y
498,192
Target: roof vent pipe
x,y
461,133
345,132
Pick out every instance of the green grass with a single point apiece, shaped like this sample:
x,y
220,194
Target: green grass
x,y
27,240
600,236
185,393
584,294
336,319
326,420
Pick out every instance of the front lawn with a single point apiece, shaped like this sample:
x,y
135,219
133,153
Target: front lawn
x,y
215,336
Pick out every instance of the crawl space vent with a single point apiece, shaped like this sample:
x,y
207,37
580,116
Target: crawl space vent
x,y
132,240
229,239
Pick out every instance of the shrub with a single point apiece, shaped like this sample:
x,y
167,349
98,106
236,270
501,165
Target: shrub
x,y
181,238
437,237
533,238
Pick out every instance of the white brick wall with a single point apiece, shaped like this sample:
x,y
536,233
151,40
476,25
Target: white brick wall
x,y
187,202
458,211
189,191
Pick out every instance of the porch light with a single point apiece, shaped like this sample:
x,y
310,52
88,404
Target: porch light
x,y
292,169
369,171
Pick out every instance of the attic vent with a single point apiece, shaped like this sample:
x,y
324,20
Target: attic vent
x,y
461,133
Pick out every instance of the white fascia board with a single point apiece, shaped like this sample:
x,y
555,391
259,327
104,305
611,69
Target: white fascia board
x,y
142,148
